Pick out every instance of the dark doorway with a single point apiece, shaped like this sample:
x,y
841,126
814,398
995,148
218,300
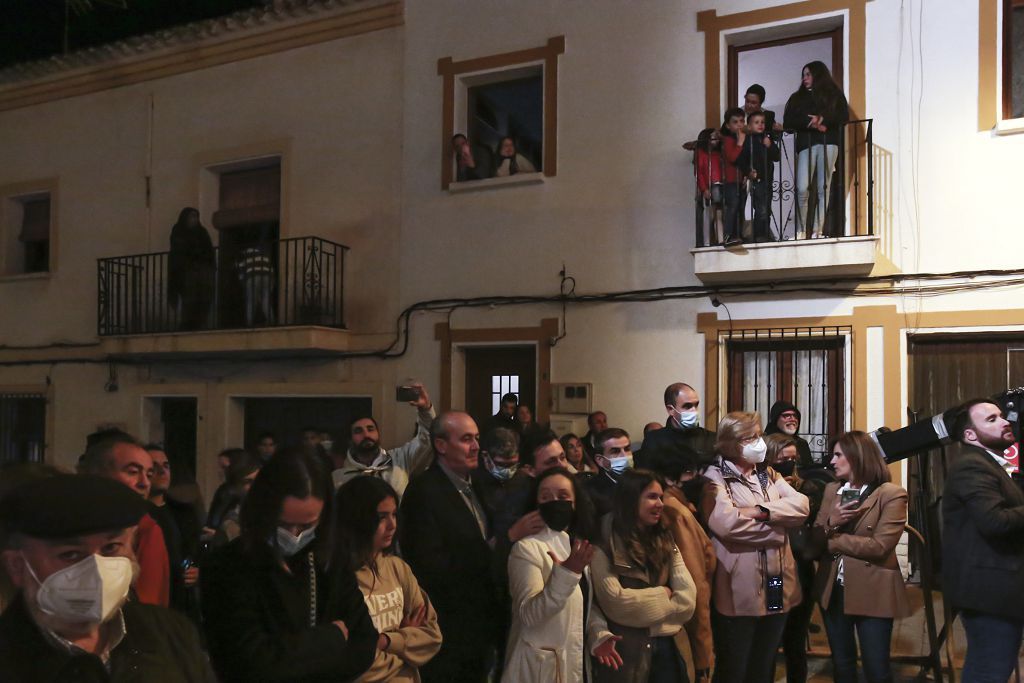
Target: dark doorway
x,y
22,427
179,416
287,417
492,371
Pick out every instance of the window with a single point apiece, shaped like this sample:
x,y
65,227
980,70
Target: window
x,y
22,427
27,234
805,367
501,385
1013,59
512,107
511,94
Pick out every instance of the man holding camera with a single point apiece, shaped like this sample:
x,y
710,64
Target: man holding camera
x,y
367,458
983,542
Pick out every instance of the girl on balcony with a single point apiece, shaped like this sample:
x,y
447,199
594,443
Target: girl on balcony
x,y
818,113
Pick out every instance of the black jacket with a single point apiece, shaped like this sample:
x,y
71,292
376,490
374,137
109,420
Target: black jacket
x,y
696,439
441,541
983,537
257,619
801,106
158,645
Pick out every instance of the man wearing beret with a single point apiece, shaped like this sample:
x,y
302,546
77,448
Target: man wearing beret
x,y
70,556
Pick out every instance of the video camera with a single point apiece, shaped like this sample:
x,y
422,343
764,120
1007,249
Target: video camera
x,y
899,444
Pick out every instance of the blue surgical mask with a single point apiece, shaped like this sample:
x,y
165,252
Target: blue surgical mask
x,y
620,465
290,544
686,419
501,472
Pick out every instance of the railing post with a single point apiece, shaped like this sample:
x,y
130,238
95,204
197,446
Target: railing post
x,y
871,179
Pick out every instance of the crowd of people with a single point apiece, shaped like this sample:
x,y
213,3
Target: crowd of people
x,y
518,555
738,160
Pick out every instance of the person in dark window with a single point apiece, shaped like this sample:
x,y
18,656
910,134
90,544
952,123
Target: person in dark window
x,y
266,445
191,270
509,161
272,611
466,165
818,112
506,415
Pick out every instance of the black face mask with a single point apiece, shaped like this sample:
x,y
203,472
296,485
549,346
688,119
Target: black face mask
x,y
786,468
557,514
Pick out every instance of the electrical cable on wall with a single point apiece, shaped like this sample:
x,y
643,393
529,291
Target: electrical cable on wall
x,y
860,286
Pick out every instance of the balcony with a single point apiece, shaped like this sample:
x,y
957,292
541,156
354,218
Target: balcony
x,y
847,240
283,298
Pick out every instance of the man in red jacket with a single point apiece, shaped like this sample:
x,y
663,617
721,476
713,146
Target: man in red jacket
x,y
116,455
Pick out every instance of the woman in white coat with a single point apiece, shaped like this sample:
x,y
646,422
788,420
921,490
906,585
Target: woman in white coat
x,y
554,617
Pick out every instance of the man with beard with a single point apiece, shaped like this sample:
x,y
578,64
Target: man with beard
x,y
983,542
395,466
682,429
784,418
70,556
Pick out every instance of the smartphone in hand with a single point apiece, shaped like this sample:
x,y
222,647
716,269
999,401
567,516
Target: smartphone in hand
x,y
849,496
406,394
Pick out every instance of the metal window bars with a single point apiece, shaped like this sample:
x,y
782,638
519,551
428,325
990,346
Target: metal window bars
x,y
802,365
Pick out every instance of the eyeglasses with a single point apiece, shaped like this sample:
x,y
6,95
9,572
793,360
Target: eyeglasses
x,y
747,440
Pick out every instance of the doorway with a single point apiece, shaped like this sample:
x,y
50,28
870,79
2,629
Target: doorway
x,y
492,371
286,417
776,65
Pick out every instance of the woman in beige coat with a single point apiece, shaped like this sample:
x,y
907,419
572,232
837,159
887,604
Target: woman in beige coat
x,y
748,508
642,584
859,582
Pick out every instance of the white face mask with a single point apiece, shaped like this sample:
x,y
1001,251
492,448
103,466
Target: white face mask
x,y
289,544
686,419
89,591
620,464
754,452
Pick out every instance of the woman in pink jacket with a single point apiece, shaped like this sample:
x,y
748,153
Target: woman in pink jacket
x,y
748,507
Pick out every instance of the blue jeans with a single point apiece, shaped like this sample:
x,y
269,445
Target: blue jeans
x,y
874,634
733,199
667,665
817,162
992,647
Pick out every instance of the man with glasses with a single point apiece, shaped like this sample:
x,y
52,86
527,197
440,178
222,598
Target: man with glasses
x,y
180,525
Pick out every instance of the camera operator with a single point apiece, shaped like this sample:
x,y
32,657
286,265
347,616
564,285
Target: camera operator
x,y
983,542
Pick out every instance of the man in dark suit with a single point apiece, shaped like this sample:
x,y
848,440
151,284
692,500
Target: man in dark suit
x,y
983,542
446,538
682,432
597,422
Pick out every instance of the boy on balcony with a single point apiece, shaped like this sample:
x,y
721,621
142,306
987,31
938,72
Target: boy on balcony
x,y
756,161
733,137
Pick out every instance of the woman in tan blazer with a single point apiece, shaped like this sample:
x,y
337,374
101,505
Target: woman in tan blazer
x,y
859,582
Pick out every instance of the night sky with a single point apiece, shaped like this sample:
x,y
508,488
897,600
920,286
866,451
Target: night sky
x,y
34,29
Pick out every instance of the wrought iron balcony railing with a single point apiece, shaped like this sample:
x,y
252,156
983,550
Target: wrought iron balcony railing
x,y
810,185
298,281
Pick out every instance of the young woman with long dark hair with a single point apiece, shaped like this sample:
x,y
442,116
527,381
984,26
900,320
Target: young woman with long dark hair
x,y
365,524
642,584
817,112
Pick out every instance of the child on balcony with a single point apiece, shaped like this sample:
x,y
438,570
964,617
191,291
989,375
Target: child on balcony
x,y
756,161
707,165
733,136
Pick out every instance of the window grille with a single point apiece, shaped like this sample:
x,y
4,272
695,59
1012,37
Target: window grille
x,y
804,366
501,385
22,427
